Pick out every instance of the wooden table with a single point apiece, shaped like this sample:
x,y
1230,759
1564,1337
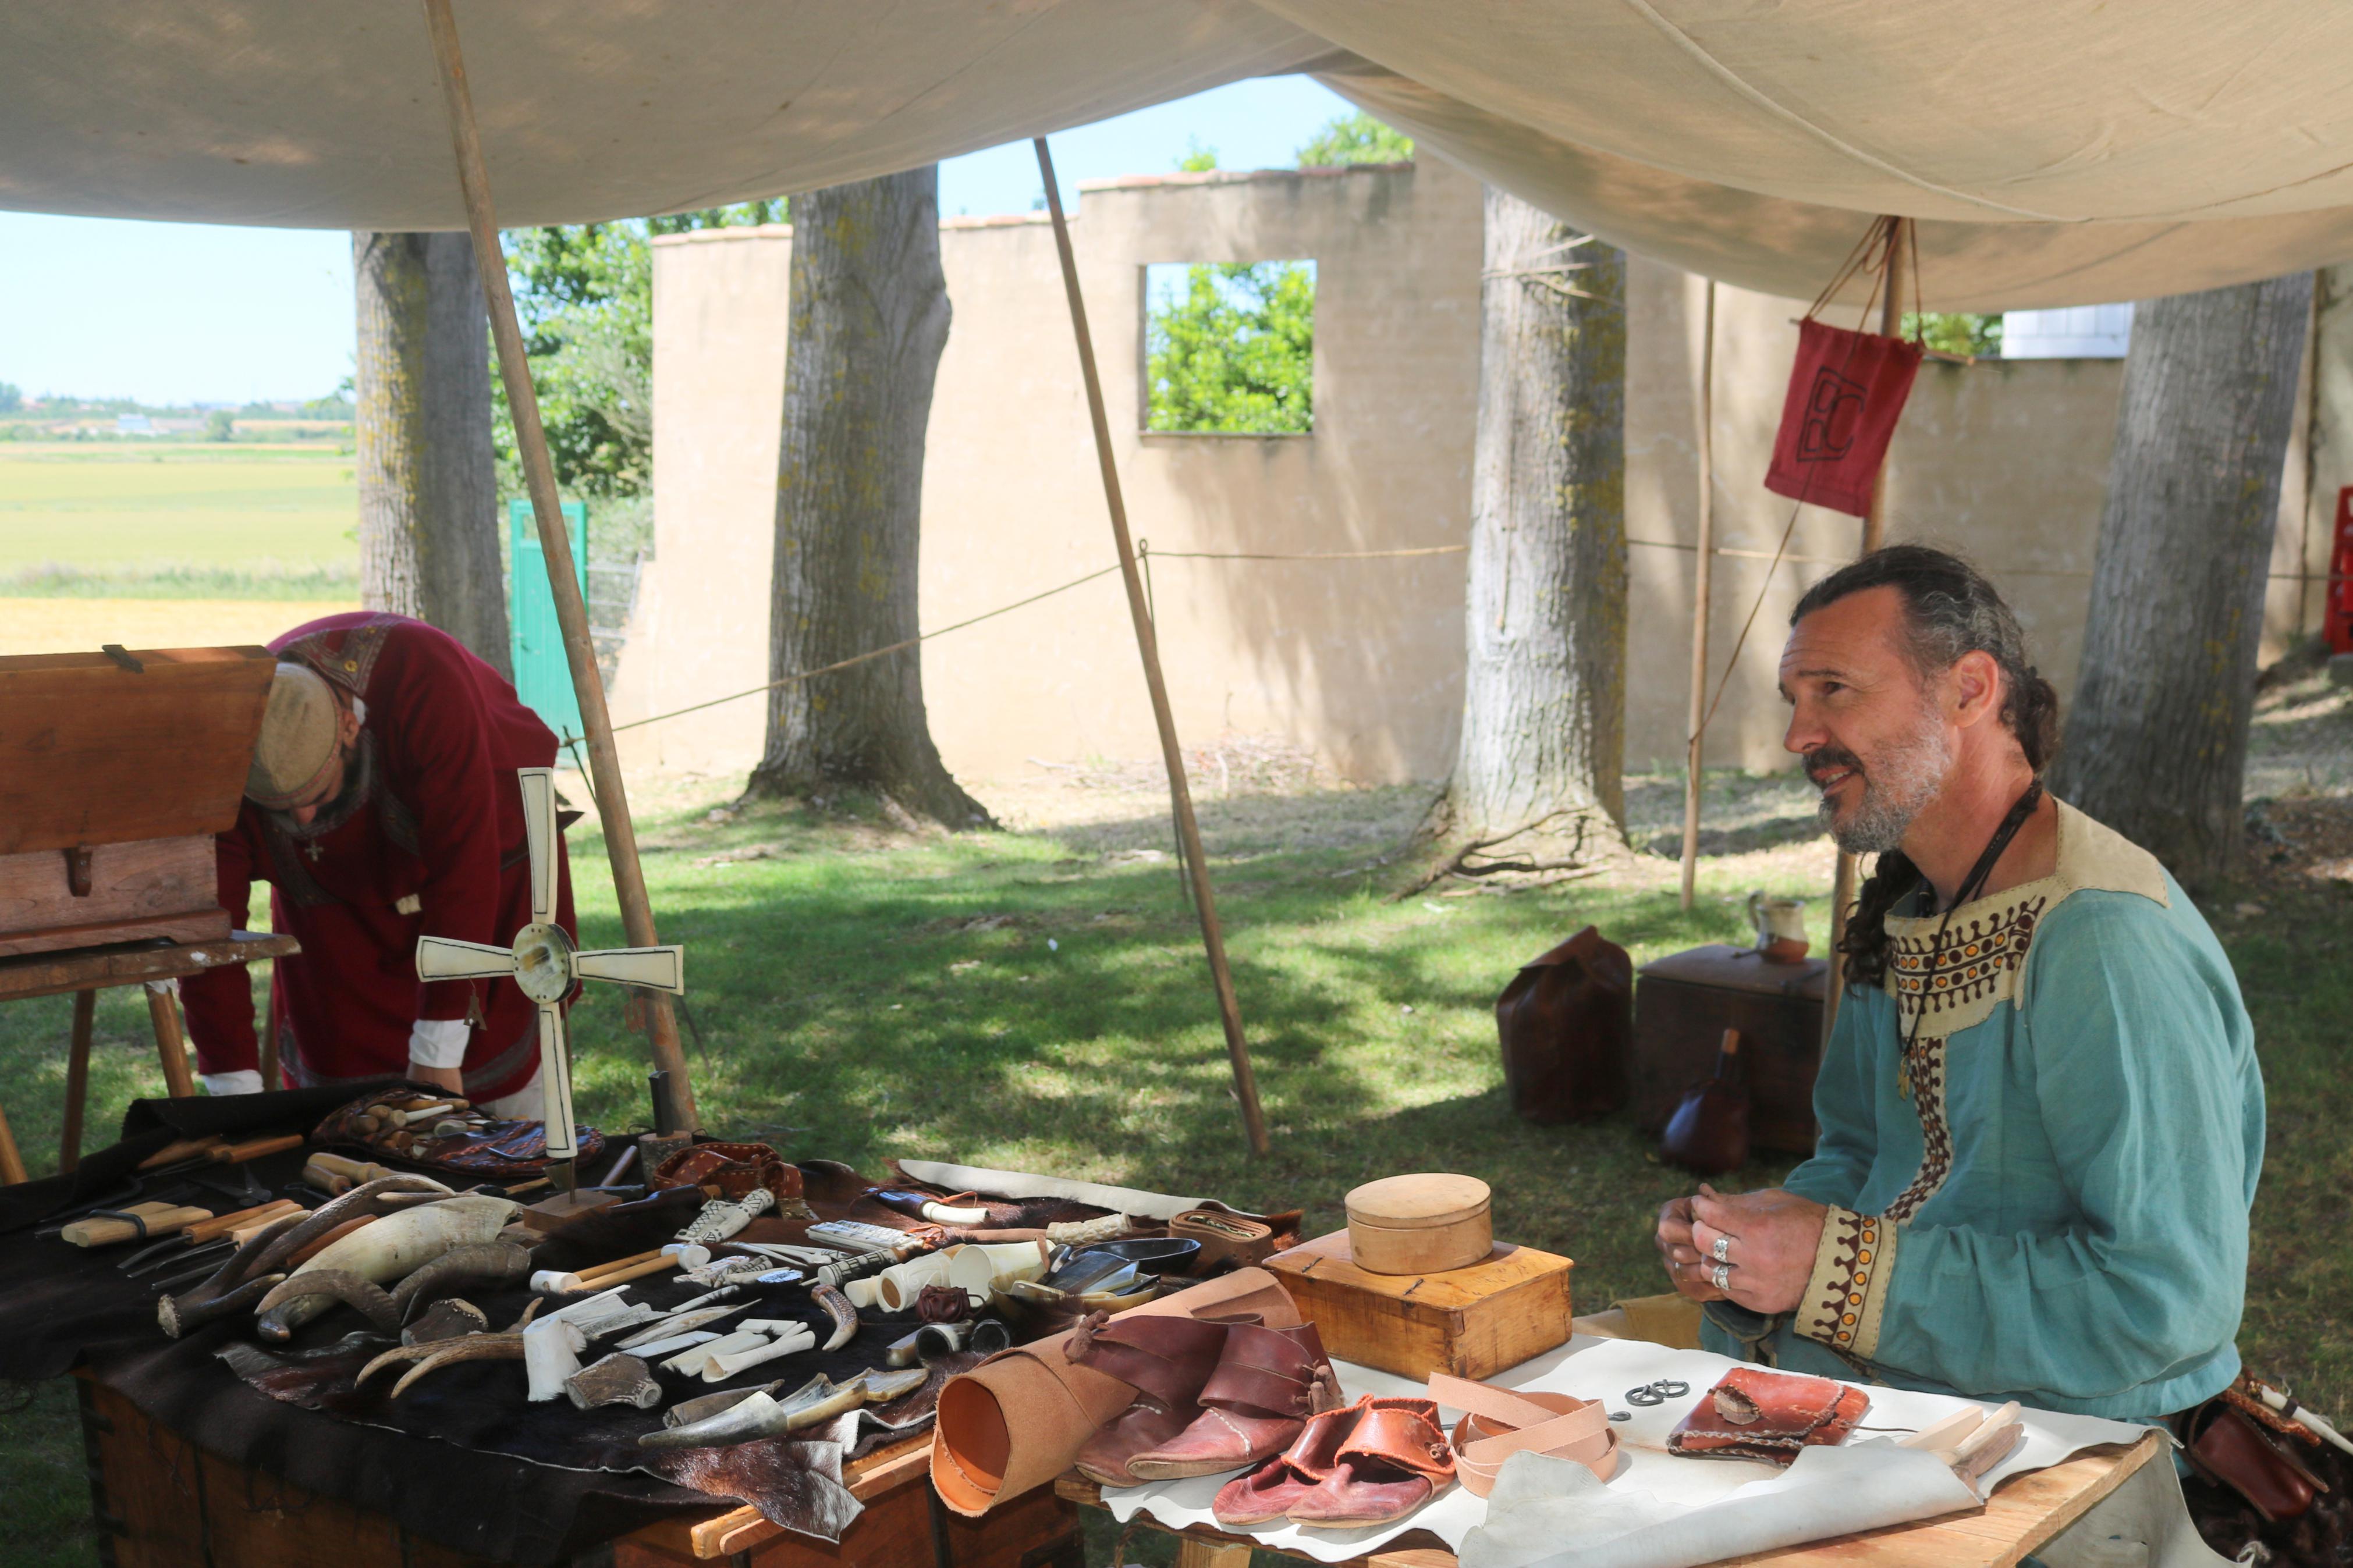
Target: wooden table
x,y
2022,1516
87,970
162,1501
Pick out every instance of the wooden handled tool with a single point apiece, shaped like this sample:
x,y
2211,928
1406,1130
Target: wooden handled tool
x,y
259,1214
611,1278
255,1148
181,1148
155,1220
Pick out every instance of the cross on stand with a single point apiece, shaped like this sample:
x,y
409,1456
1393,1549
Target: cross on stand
x,y
545,966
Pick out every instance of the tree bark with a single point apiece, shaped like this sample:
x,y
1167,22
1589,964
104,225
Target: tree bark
x,y
2156,746
428,480
869,320
1544,703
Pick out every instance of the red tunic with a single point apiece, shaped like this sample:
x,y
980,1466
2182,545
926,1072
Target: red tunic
x,y
426,839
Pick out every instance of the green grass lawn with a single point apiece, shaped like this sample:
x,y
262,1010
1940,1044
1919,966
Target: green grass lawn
x,y
231,521
1037,1000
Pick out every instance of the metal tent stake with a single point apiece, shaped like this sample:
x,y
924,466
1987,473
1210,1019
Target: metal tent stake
x,y
1212,938
555,546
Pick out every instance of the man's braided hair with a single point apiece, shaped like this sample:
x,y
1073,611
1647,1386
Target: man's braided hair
x,y
1951,610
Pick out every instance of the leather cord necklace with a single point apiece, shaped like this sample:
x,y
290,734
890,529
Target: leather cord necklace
x,y
2020,809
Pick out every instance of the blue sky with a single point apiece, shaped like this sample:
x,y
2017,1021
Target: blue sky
x,y
184,312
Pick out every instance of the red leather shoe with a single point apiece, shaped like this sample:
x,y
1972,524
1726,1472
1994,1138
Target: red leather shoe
x,y
1267,1492
1396,1459
1166,1360
1268,1382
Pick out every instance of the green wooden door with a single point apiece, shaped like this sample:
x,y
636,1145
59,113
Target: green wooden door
x,y
543,677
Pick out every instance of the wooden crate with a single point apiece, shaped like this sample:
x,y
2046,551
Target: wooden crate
x,y
1473,1323
1682,1004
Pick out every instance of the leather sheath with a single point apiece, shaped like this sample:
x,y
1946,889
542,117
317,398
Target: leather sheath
x,y
734,1168
2225,1447
1497,1424
1018,1420
1754,1413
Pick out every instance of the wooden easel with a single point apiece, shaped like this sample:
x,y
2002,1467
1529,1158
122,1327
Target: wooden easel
x,y
85,972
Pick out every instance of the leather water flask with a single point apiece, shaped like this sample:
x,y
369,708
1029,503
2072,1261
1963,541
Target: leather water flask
x,y
1708,1132
1566,1023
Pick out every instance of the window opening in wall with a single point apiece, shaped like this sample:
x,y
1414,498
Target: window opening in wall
x,y
1229,348
2079,331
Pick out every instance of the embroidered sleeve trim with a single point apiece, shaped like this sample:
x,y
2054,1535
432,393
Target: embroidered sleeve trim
x,y
1847,1292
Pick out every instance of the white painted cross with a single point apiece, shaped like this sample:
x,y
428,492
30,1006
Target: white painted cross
x,y
545,964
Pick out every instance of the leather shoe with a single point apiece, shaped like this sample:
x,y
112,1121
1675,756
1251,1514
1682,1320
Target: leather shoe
x,y
1166,1360
1267,1492
1395,1459
1267,1383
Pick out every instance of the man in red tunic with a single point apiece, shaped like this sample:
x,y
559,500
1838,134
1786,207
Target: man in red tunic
x,y
382,806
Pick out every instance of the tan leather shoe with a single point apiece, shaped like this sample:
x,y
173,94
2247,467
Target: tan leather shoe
x,y
1267,1383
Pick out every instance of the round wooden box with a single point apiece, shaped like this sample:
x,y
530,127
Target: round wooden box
x,y
1423,1224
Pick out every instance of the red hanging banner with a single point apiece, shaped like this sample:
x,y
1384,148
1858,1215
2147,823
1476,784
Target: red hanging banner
x,y
1846,392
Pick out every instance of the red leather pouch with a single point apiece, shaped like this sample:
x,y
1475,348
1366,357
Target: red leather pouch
x,y
1754,1413
735,1169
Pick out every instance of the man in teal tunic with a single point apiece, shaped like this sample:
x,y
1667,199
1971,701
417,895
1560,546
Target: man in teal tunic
x,y
2040,1116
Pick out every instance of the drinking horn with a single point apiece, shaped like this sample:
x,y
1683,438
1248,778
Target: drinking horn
x,y
395,1246
252,1269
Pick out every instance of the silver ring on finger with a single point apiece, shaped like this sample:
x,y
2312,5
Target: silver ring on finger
x,y
1721,1277
1721,1250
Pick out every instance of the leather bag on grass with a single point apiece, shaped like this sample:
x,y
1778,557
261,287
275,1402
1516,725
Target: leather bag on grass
x,y
1566,1022
1018,1420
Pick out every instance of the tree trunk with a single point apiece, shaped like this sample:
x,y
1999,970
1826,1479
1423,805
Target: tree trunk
x,y
868,320
1543,702
428,483
2156,746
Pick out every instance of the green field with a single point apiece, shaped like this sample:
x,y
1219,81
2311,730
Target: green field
x,y
182,521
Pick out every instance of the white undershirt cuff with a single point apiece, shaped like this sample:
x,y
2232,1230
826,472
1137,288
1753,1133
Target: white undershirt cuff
x,y
438,1042
245,1080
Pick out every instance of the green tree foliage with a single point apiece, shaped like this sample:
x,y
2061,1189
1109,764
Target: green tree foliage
x,y
1198,158
220,425
1979,337
12,397
585,297
1356,138
1233,353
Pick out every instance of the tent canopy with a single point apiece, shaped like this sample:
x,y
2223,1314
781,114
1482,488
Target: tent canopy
x,y
2053,153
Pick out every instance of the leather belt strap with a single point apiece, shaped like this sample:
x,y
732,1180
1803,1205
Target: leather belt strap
x,y
1498,1425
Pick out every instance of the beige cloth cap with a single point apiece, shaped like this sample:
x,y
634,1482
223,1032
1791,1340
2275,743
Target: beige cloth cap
x,y
298,738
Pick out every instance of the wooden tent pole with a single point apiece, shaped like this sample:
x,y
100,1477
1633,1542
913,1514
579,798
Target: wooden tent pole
x,y
1212,938
1874,534
555,545
1702,585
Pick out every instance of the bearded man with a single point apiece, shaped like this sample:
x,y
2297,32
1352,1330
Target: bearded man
x,y
382,806
2040,1116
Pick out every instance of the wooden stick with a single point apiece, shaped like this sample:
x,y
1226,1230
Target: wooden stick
x,y
1874,534
617,1264
12,1163
159,1220
171,1044
84,1012
611,1278
1703,585
555,546
1213,938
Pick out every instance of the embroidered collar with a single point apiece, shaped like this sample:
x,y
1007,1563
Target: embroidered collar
x,y
1986,944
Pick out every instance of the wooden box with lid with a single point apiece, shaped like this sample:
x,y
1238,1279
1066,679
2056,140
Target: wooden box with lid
x,y
1417,1283
1682,1004
116,769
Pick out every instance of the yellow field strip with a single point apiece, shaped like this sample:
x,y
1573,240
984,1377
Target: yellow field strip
x,y
60,625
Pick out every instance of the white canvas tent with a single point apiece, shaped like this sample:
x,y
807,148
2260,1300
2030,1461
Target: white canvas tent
x,y
2053,153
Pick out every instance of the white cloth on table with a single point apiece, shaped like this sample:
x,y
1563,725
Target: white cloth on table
x,y
1650,1483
